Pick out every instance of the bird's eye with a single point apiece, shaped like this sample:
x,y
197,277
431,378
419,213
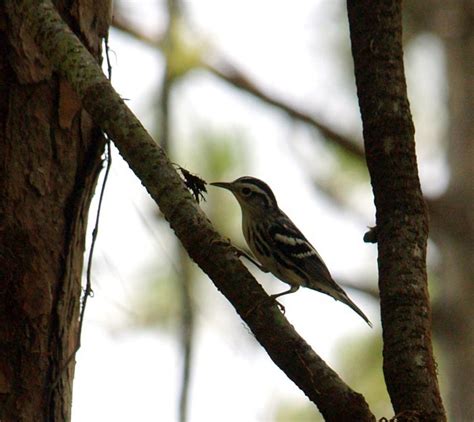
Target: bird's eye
x,y
246,191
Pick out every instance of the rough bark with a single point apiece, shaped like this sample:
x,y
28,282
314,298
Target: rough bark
x,y
409,366
288,350
49,160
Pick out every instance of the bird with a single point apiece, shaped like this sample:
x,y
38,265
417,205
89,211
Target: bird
x,y
278,245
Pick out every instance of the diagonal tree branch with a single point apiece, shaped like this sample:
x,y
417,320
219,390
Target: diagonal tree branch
x,y
402,220
287,349
231,74
122,24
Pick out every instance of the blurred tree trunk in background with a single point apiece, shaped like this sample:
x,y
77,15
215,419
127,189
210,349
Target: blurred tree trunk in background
x,y
452,217
50,159
186,323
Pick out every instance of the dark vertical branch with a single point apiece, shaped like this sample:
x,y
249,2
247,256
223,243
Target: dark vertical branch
x,y
409,366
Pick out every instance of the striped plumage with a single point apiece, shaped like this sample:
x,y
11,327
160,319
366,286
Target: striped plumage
x,y
278,244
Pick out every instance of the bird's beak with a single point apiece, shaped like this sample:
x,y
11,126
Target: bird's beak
x,y
222,185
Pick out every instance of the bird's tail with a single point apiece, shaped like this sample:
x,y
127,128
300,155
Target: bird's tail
x,y
342,297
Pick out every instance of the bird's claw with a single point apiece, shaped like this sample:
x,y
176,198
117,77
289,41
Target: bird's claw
x,y
268,300
222,241
280,306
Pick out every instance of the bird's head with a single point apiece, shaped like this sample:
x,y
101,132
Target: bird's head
x,y
254,196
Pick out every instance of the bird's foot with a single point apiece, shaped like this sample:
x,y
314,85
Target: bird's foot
x,y
282,308
222,241
270,300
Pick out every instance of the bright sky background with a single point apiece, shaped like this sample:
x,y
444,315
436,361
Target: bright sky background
x,y
292,50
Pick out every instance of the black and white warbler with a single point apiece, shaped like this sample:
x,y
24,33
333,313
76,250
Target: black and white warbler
x,y
278,245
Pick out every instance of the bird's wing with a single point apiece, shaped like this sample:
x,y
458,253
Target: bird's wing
x,y
292,244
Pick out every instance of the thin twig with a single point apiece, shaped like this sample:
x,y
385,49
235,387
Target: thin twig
x,y
88,289
229,73
108,159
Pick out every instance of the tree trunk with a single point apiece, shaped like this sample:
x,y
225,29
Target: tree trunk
x,y
402,223
50,158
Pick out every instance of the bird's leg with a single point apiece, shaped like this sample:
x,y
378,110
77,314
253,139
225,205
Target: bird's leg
x,y
267,300
282,307
292,289
272,298
241,252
